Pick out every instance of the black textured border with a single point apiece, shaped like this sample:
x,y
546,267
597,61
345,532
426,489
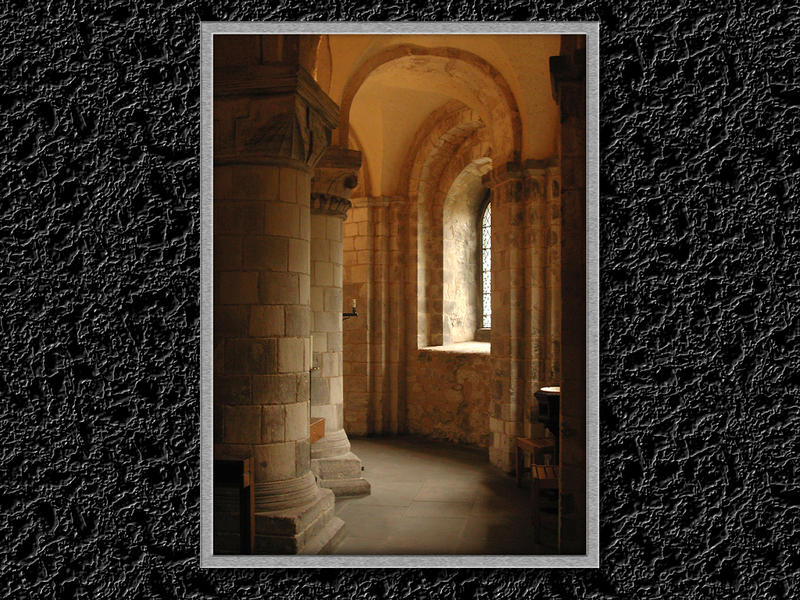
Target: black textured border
x,y
99,279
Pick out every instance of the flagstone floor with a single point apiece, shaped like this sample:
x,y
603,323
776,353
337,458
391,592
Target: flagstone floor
x,y
433,498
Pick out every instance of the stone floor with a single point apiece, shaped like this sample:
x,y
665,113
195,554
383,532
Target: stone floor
x,y
433,498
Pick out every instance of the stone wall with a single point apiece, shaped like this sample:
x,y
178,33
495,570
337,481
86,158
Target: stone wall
x,y
449,399
357,257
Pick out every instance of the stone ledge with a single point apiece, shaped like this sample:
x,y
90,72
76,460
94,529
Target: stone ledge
x,y
461,348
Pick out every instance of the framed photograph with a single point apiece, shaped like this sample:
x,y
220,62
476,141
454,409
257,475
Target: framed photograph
x,y
400,300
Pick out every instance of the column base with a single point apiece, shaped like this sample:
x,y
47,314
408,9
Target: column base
x,y
310,528
341,474
335,443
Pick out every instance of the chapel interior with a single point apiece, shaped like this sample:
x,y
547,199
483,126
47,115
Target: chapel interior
x,y
399,294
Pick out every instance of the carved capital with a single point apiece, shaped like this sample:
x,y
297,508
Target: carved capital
x,y
326,204
537,173
271,114
336,174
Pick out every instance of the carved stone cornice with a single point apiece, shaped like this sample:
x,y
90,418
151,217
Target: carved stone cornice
x,y
276,80
326,204
271,114
336,173
504,174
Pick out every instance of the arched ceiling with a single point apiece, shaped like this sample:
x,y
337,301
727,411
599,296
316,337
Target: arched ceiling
x,y
386,119
390,100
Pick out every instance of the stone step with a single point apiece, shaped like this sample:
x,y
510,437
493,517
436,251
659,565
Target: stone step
x,y
345,466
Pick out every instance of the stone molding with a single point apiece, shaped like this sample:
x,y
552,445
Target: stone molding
x,y
281,495
378,201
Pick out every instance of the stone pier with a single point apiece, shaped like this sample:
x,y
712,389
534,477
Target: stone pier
x,y
272,124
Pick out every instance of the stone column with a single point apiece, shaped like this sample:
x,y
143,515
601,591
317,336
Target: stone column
x,y
568,74
508,313
272,124
536,342
380,398
552,370
396,339
335,466
539,294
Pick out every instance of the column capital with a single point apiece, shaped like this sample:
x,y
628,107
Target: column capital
x,y
328,204
271,114
536,173
336,173
534,167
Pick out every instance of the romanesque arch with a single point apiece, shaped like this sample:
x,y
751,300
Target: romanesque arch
x,y
477,82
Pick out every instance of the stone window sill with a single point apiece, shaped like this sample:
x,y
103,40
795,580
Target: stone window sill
x,y
461,348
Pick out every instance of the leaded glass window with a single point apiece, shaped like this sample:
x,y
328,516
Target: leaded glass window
x,y
486,266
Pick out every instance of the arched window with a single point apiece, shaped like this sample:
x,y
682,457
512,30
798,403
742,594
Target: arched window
x,y
486,266
466,313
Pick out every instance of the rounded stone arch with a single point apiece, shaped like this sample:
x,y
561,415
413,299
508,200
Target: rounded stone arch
x,y
497,105
439,134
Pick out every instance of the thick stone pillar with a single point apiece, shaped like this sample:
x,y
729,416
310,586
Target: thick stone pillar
x,y
272,124
335,466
